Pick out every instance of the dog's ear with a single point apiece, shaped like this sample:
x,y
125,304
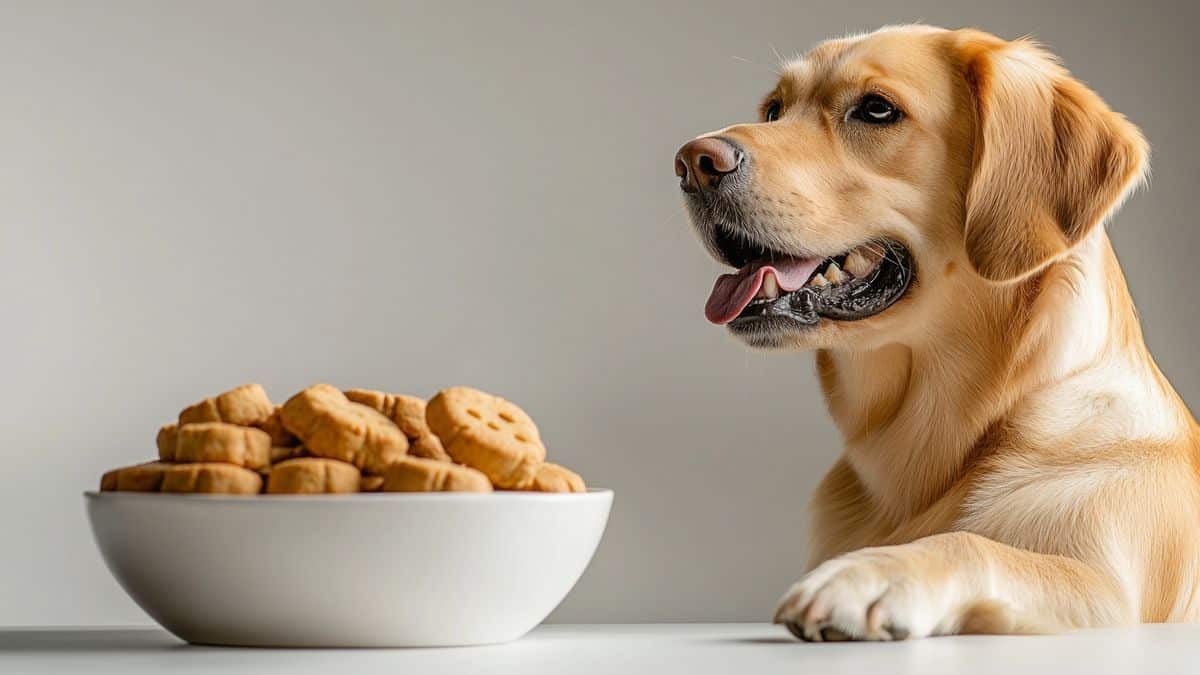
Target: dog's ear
x,y
1051,160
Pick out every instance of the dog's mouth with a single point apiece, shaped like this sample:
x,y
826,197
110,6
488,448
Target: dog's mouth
x,y
773,286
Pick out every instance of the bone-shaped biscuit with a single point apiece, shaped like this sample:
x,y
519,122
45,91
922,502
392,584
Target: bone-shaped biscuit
x,y
146,477
221,442
245,405
408,412
331,425
313,475
211,478
417,474
555,478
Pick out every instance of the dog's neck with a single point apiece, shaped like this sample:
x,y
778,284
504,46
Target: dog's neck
x,y
994,351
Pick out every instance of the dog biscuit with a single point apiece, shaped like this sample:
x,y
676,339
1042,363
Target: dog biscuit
x,y
146,477
211,478
246,405
488,433
313,475
166,442
408,413
221,442
280,436
417,474
428,446
283,453
554,478
331,425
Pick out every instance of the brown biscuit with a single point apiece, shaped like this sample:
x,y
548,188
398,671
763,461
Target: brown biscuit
x,y
416,474
166,442
489,434
408,413
211,478
246,405
554,478
145,477
280,436
370,483
282,454
428,446
385,404
330,425
221,442
313,475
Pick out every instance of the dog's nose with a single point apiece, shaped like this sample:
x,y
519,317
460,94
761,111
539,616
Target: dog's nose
x,y
700,164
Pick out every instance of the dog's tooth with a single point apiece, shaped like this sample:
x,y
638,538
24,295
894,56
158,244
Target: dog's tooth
x,y
833,274
770,287
857,265
819,281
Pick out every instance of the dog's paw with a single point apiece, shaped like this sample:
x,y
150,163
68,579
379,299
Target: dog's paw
x,y
866,595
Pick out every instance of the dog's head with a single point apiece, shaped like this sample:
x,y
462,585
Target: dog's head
x,y
881,166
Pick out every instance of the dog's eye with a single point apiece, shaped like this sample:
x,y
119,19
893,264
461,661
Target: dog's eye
x,y
875,109
772,111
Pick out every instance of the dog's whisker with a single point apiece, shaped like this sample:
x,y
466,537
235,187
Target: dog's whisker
x,y
756,63
883,250
778,57
673,216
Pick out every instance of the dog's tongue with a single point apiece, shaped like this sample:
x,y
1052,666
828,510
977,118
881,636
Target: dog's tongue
x,y
733,292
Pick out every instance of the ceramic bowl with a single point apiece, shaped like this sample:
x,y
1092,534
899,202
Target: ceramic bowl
x,y
368,570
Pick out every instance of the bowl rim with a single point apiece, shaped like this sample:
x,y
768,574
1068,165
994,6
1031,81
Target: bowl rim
x,y
592,494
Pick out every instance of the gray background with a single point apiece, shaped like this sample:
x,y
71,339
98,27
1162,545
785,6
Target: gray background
x,y
410,196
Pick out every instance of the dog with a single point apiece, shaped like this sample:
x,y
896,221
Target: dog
x,y
926,209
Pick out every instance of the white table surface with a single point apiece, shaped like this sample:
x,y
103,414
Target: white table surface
x,y
608,649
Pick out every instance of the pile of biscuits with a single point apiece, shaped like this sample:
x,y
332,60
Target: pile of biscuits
x,y
325,440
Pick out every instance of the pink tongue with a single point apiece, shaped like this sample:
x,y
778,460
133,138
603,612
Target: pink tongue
x,y
733,292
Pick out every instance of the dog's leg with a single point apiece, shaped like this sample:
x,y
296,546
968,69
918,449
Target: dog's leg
x,y
950,583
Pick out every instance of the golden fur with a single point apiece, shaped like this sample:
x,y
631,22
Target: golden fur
x,y
1014,460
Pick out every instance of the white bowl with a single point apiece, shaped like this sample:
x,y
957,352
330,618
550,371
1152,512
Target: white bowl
x,y
370,570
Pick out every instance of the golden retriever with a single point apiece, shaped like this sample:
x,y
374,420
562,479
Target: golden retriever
x,y
926,209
